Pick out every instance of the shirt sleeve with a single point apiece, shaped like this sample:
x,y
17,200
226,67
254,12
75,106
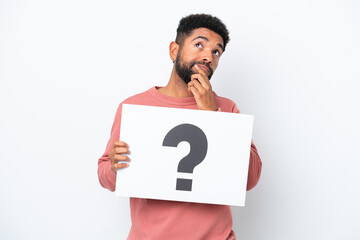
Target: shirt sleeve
x,y
107,178
255,164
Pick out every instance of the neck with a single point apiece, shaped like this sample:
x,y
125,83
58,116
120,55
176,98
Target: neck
x,y
176,87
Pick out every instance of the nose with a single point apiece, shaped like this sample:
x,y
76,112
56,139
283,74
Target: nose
x,y
207,56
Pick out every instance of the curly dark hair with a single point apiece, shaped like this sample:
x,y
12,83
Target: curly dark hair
x,y
194,21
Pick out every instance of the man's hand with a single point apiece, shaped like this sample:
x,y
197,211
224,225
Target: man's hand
x,y
117,156
200,87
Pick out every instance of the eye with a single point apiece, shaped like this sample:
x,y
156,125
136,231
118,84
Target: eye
x,y
216,52
198,45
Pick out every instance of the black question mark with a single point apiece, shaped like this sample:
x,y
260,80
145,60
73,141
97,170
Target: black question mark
x,y
198,149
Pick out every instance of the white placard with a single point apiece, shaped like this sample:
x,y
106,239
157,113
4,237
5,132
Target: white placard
x,y
220,178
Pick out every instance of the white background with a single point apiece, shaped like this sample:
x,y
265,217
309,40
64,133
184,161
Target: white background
x,y
66,65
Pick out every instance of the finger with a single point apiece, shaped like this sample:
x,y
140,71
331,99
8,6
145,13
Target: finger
x,y
194,91
120,144
203,80
199,87
202,72
121,150
197,76
119,157
120,165
205,74
190,84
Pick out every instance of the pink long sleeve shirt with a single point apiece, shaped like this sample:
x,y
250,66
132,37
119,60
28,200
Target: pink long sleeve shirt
x,y
158,219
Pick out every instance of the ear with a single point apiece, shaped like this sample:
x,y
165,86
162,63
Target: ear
x,y
173,51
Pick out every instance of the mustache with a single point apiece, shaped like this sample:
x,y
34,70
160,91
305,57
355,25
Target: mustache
x,y
193,63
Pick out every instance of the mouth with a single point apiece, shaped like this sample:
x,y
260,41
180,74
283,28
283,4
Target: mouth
x,y
205,68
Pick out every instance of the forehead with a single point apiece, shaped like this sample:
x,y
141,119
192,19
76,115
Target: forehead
x,y
204,32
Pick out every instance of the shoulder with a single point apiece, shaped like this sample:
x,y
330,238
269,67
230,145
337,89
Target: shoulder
x,y
143,98
138,98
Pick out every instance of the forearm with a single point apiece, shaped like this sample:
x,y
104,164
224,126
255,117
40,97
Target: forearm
x,y
255,163
107,178
255,166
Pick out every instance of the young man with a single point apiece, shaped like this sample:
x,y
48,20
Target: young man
x,y
201,40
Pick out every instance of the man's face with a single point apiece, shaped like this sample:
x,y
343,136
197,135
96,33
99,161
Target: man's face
x,y
204,48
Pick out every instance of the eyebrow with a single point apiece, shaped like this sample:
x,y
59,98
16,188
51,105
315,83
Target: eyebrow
x,y
206,39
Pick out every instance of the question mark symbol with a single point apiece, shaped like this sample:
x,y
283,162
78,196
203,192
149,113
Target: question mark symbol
x,y
198,149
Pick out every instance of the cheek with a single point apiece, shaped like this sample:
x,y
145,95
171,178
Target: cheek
x,y
186,57
214,64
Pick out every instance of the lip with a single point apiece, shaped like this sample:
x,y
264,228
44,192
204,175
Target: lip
x,y
204,68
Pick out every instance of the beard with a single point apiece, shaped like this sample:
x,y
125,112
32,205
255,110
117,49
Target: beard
x,y
184,70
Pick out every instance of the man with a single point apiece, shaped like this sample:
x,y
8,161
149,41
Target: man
x,y
201,40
